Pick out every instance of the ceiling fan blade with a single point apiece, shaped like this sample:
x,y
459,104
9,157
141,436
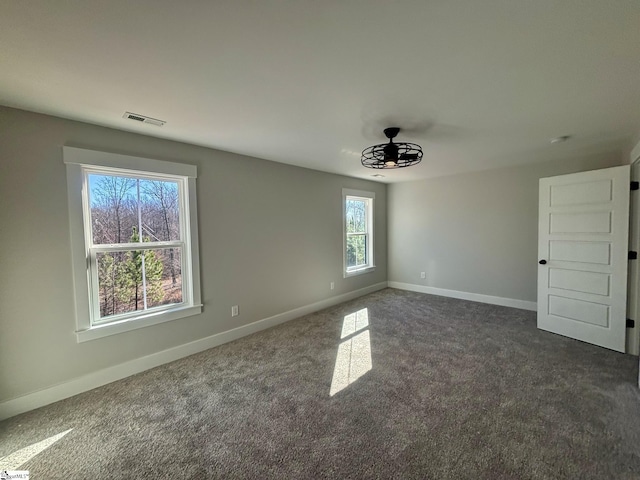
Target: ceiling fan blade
x,y
409,156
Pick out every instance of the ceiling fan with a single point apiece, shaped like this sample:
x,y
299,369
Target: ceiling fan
x,y
391,155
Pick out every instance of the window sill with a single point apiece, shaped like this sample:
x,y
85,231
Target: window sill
x,y
142,321
359,271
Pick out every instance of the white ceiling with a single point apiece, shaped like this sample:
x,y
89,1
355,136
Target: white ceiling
x,y
479,84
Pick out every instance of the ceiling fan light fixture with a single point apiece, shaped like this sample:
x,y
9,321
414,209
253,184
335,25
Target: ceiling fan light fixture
x,y
391,155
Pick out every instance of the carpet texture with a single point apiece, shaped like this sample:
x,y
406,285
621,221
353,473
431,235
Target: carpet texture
x,y
424,387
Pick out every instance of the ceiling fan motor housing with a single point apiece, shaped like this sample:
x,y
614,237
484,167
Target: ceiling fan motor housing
x,y
391,151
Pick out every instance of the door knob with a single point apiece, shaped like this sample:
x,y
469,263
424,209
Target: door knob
x,y
542,262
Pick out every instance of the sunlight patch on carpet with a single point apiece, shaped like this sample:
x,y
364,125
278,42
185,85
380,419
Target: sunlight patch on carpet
x,y
355,322
354,354
14,460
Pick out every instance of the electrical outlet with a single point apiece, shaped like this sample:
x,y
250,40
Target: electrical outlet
x,y
423,274
234,311
332,285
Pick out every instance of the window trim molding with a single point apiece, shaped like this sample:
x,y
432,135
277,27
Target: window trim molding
x,y
371,266
76,160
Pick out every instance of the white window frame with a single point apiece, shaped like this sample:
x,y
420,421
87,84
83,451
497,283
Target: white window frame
x,y
369,197
80,163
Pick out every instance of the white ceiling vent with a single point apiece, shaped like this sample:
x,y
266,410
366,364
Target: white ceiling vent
x,y
142,119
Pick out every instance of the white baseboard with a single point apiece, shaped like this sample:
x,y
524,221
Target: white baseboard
x,y
78,385
475,297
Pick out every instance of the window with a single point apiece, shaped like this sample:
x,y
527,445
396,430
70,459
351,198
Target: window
x,y
134,241
358,231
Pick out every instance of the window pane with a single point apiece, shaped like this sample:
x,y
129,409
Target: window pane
x,y
119,283
356,215
123,284
160,210
114,209
163,272
356,250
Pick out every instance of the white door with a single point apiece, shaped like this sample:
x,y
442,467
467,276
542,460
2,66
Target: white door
x,y
582,251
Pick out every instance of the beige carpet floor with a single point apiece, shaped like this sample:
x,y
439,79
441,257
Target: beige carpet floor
x,y
391,385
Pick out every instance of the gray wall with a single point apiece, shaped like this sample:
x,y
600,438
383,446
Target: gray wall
x,y
476,232
270,241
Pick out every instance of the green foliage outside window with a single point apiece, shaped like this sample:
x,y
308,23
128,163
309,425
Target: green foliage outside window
x,y
121,279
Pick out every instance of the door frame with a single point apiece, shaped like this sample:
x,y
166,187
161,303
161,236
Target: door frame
x,y
633,283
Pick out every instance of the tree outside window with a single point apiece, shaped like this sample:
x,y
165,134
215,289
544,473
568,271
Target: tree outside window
x,y
126,212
